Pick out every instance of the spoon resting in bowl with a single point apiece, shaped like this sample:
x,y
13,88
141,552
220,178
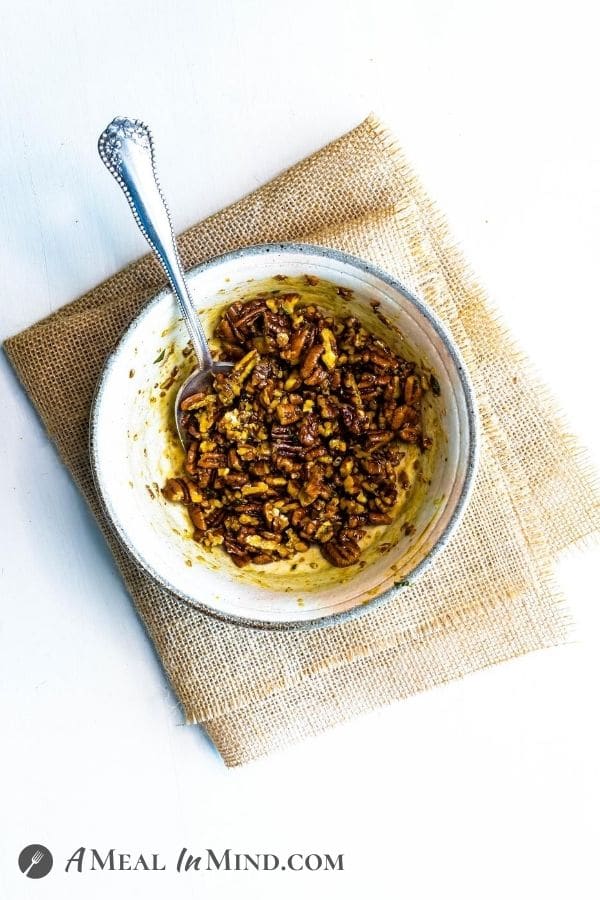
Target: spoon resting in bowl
x,y
127,150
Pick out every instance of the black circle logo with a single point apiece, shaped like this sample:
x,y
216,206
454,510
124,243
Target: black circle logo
x,y
35,861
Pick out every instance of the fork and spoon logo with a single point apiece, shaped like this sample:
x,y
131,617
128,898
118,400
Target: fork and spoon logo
x,y
35,861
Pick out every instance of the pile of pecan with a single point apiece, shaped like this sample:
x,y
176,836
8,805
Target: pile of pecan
x,y
301,442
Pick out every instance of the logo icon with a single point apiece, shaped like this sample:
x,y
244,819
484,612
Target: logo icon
x,y
35,861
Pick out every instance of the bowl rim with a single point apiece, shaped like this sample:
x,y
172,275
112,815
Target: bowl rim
x,y
471,463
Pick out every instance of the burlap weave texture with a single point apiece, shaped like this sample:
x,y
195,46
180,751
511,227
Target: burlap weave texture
x,y
490,595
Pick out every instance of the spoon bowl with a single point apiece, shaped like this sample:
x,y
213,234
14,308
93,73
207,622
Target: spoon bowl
x,y
196,383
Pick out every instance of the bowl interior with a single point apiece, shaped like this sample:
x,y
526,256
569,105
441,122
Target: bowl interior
x,y
135,449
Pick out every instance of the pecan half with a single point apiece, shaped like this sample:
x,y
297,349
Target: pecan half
x,y
341,552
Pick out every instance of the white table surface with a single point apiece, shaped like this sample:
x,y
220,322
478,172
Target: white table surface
x,y
486,788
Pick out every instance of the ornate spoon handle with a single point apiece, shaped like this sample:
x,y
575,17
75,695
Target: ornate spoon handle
x,y
126,149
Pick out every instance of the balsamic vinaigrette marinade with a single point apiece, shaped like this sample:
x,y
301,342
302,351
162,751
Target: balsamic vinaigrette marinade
x,y
301,443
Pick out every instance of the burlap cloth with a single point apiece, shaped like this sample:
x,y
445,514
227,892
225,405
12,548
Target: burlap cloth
x,y
489,596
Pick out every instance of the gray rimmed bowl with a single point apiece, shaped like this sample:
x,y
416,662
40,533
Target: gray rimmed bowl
x,y
134,448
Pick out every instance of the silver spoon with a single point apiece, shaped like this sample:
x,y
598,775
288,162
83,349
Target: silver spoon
x,y
127,150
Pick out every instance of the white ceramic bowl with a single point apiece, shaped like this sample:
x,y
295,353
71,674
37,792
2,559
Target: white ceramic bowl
x,y
133,448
